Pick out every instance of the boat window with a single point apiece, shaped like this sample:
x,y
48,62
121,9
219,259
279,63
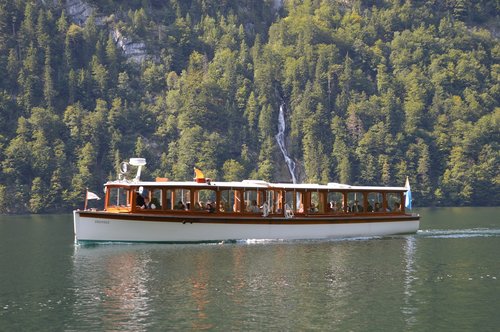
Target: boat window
x,y
299,205
274,201
393,202
155,198
335,202
270,201
202,198
181,199
375,201
316,204
118,196
230,201
168,199
290,202
355,202
253,201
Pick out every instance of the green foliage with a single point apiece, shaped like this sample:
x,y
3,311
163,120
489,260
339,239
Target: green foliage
x,y
374,91
233,170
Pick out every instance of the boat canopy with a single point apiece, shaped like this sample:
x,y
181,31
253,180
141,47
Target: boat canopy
x,y
255,184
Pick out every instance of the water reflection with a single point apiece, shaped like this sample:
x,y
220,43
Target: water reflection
x,y
196,287
111,284
343,285
199,291
409,310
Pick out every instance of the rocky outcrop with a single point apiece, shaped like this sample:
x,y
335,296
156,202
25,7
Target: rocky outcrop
x,y
78,11
134,51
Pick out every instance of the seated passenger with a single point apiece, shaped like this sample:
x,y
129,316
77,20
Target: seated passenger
x,y
333,206
210,208
345,208
180,206
139,201
397,207
155,203
369,208
356,207
301,208
198,206
254,208
265,209
313,208
146,203
377,207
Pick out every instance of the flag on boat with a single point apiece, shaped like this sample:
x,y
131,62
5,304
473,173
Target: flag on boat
x,y
198,174
91,195
408,194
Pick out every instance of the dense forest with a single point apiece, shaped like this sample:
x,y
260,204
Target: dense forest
x,y
372,92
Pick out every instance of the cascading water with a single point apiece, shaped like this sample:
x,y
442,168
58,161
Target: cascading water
x,y
280,137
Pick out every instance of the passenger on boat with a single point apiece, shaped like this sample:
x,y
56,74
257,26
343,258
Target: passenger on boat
x,y
254,208
313,208
198,206
265,209
356,207
397,207
345,208
377,207
146,204
139,200
369,208
180,206
154,203
210,208
333,206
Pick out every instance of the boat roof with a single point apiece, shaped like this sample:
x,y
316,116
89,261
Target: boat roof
x,y
251,184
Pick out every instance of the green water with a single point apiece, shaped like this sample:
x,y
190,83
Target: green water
x,y
444,278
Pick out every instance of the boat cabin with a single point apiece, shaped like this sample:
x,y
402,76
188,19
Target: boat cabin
x,y
251,197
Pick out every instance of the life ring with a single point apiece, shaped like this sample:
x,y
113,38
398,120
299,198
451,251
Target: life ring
x,y
124,167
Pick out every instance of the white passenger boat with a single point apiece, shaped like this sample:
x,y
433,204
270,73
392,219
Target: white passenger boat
x,y
204,210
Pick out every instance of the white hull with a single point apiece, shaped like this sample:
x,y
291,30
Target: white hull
x,y
104,229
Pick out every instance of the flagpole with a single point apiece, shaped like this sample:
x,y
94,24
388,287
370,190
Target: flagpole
x,y
86,195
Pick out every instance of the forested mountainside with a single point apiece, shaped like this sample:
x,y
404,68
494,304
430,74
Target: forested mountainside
x,y
372,91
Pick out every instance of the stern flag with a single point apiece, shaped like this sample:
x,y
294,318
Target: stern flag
x,y
408,194
91,195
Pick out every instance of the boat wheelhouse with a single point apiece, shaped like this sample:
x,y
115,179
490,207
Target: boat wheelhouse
x,y
204,210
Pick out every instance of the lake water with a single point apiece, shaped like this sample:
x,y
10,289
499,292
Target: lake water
x,y
444,278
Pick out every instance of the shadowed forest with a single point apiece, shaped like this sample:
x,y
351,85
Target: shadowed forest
x,y
372,92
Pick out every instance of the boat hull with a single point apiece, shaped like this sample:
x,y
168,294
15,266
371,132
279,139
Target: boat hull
x,y
102,226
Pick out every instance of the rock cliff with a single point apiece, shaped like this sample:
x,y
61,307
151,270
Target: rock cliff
x,y
79,11
134,51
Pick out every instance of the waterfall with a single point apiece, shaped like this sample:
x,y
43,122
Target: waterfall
x,y
280,137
